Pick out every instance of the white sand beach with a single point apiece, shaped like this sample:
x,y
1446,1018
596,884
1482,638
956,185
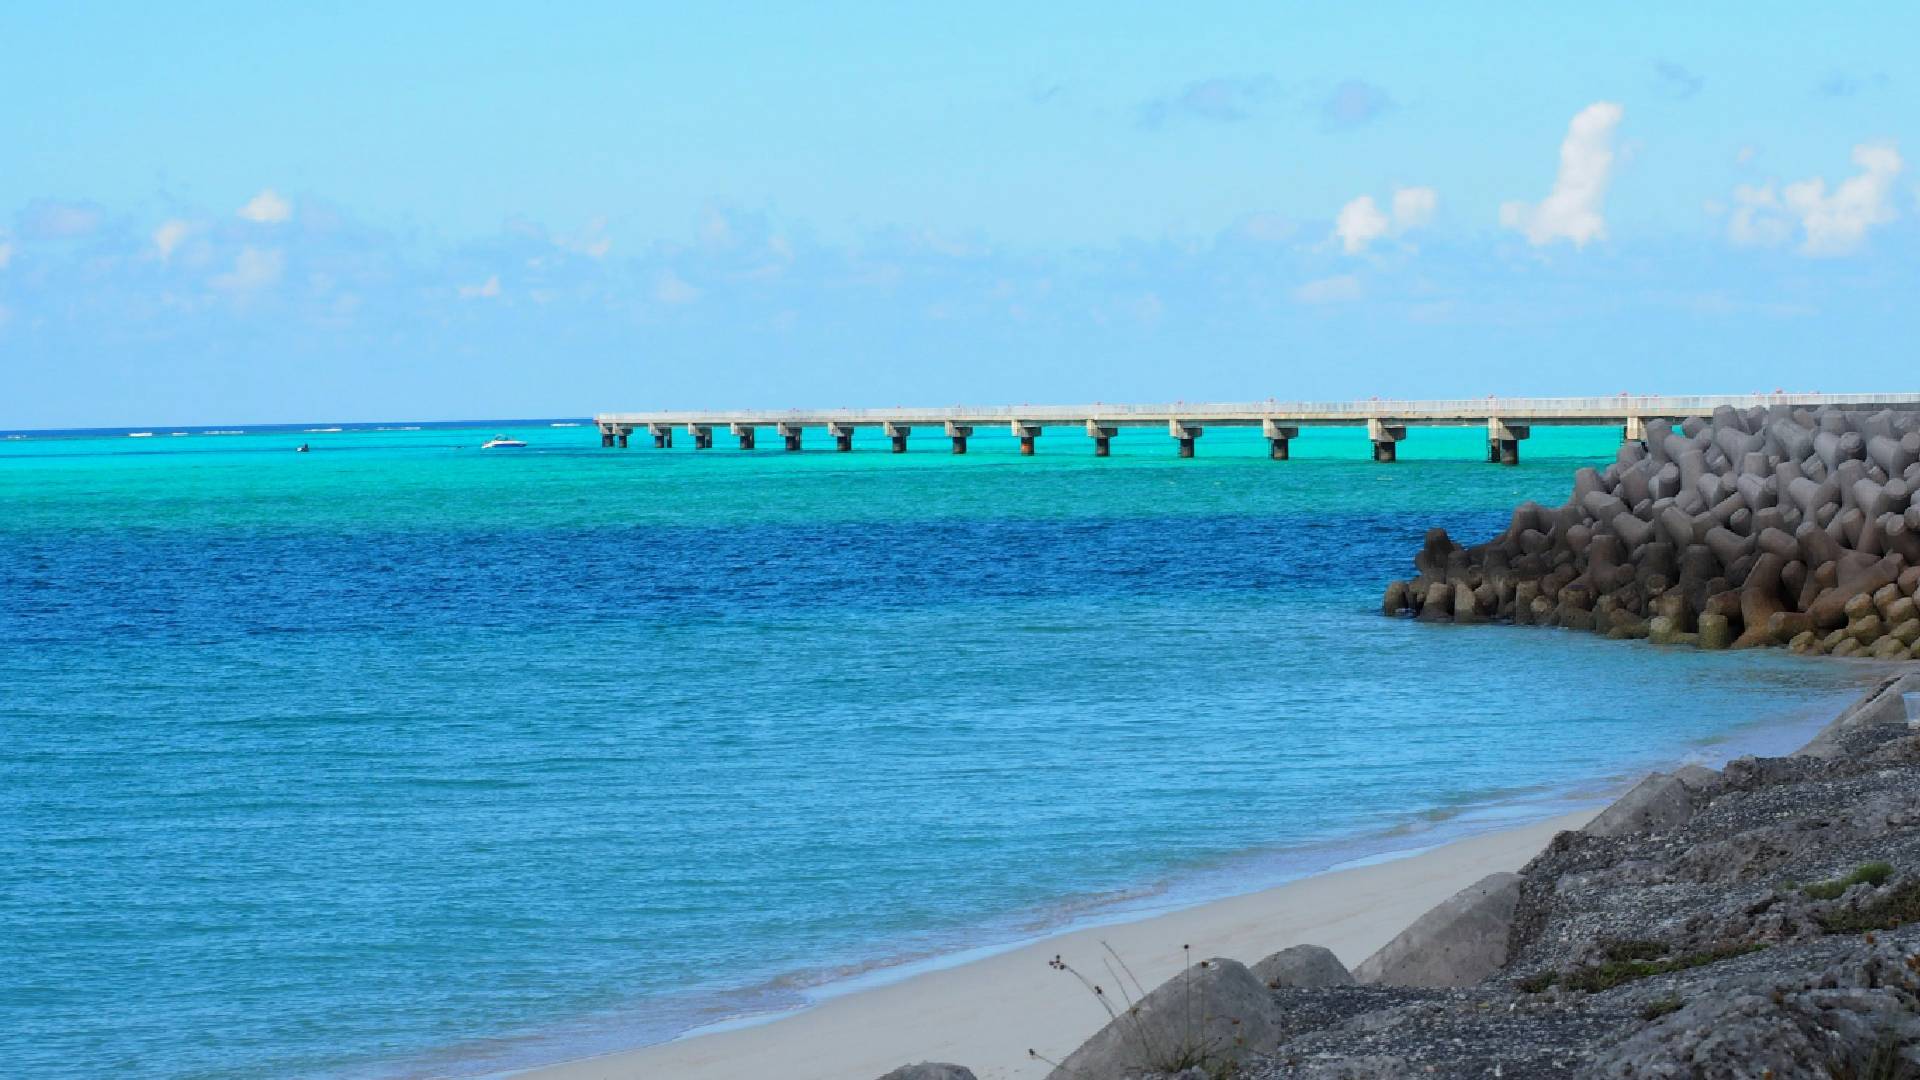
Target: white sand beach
x,y
986,1014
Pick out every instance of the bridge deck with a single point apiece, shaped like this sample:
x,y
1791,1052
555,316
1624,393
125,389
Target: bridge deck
x,y
1459,412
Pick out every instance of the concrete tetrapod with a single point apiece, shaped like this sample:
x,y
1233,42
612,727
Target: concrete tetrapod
x,y
1743,529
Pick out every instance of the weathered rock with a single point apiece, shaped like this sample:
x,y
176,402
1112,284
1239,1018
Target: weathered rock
x,y
1900,611
1658,803
1458,943
930,1070
1395,601
1664,630
1859,1017
1215,1014
1303,966
1465,605
1882,707
1888,648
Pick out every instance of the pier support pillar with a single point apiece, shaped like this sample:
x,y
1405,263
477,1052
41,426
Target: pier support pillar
x,y
621,438
790,433
1102,437
1184,432
744,432
1026,433
1503,441
1642,428
1278,436
606,439
1385,438
702,436
662,436
958,433
898,434
842,436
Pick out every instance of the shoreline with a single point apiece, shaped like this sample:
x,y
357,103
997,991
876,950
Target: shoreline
x,y
988,1012
709,1050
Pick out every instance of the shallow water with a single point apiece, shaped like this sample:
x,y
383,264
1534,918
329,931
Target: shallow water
x,y
403,757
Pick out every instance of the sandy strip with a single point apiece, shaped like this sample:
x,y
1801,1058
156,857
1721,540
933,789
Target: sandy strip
x,y
987,1013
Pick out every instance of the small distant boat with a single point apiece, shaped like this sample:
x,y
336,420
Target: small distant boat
x,y
501,442
139,434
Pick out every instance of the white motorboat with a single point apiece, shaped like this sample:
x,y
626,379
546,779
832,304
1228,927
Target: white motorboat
x,y
501,442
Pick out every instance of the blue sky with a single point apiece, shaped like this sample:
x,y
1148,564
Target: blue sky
x,y
224,213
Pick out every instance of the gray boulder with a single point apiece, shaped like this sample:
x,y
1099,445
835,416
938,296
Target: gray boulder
x,y
1458,943
1659,803
1860,1017
1699,779
1302,966
930,1070
1885,704
1215,1015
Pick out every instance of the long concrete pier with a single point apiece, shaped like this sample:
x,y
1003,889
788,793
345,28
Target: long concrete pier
x,y
1507,421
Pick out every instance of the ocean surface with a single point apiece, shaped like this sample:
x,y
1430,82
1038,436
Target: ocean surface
x,y
402,758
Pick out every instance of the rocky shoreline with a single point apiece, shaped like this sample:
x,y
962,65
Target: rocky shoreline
x,y
1772,526
1758,921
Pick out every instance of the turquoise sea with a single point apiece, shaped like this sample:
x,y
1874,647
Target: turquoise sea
x,y
404,758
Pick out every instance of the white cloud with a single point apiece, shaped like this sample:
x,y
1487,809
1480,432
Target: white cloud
x,y
591,241
1833,223
1413,207
1333,290
267,208
1358,224
486,290
1573,210
253,269
168,237
668,288
1361,221
51,219
1757,220
1837,224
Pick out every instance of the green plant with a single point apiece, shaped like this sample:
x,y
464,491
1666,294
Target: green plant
x,y
1875,874
1895,907
1635,950
1537,982
1884,1062
1654,1010
1612,973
